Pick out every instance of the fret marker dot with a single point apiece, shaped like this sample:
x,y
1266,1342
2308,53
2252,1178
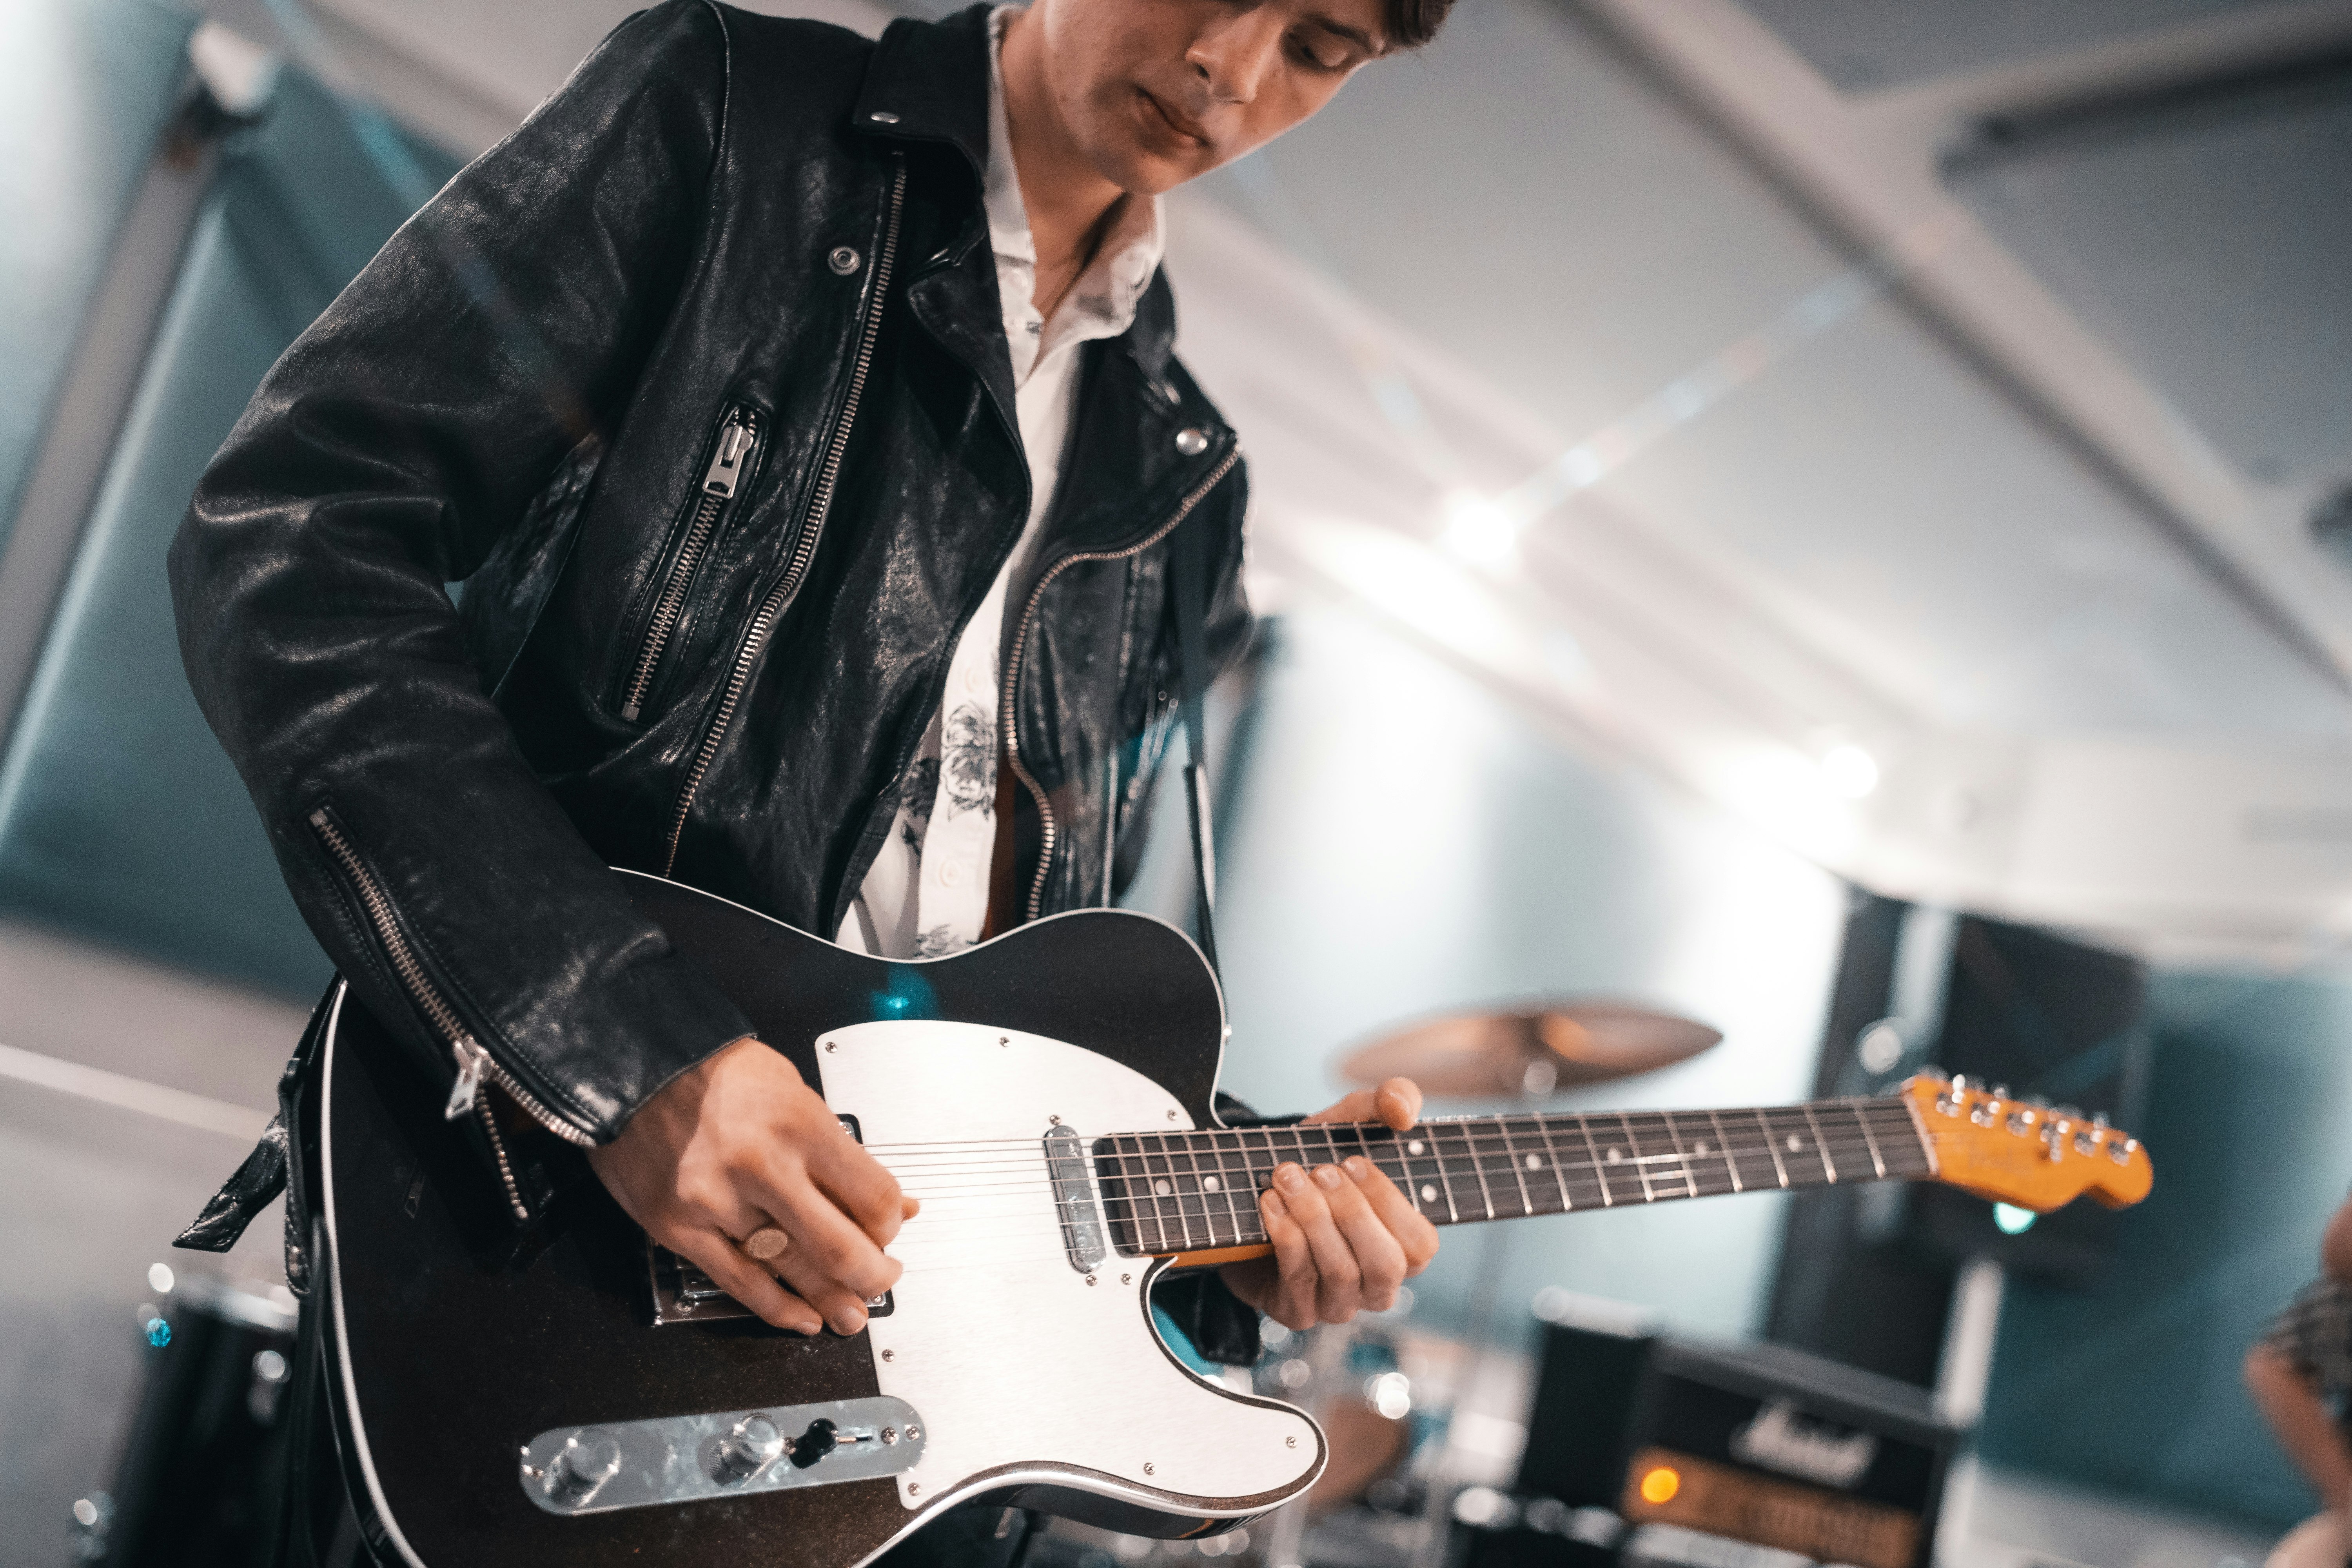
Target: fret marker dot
x,y
1701,1150
1413,1147
1428,1195
1208,1183
1162,1188
1616,1155
1534,1164
1795,1142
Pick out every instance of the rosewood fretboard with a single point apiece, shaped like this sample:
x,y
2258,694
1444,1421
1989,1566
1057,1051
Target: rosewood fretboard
x,y
1197,1192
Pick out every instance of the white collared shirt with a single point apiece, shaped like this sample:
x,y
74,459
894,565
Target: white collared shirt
x,y
926,891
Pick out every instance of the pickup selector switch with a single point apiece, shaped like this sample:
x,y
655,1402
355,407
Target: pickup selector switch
x,y
821,1439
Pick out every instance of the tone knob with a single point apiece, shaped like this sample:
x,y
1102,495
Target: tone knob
x,y
589,1458
745,1449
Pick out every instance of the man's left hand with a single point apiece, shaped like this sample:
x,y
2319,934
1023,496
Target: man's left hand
x,y
1344,1238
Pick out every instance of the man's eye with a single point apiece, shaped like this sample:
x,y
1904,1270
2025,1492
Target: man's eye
x,y
1308,57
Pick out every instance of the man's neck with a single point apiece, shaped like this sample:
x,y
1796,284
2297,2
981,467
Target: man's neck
x,y
1067,198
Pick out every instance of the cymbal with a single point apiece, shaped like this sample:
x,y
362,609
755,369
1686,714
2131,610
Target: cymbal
x,y
1532,1051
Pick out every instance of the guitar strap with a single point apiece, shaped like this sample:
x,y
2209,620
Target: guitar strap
x,y
1187,567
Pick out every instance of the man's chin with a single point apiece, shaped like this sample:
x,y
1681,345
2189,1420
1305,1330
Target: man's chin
x,y
1148,172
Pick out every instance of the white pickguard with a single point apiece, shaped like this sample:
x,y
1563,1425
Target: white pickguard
x,y
1013,1358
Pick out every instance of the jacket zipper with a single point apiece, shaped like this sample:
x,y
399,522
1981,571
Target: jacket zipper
x,y
476,1068
737,443
1009,736
780,597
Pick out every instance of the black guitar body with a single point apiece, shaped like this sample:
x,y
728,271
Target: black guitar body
x,y
456,1342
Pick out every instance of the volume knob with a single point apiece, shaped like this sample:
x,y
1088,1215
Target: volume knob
x,y
745,1449
589,1458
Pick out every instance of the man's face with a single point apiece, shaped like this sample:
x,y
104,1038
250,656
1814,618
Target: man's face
x,y
1161,91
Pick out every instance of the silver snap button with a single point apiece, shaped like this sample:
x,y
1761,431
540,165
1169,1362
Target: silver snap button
x,y
1191,442
842,260
883,117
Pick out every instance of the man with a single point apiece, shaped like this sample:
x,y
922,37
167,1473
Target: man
x,y
800,416
2300,1374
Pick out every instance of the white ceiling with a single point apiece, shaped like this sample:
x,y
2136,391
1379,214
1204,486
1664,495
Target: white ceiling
x,y
2102,671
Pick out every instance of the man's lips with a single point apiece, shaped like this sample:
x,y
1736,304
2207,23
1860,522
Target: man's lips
x,y
1182,125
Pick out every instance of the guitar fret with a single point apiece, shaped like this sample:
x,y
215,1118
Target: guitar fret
x,y
1437,1150
1690,1177
1771,1147
1599,1172
1527,1202
1225,1186
1478,1167
1417,1192
1723,1142
1877,1162
1552,1153
1821,1145
1633,1153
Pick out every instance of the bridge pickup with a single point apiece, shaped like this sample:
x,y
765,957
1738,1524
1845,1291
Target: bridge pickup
x,y
693,1458
1074,1200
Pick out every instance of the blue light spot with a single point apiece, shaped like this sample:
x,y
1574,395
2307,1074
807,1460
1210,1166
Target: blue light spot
x,y
2012,1220
906,995
159,1332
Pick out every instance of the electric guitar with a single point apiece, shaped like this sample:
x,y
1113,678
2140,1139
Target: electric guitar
x,y
572,1395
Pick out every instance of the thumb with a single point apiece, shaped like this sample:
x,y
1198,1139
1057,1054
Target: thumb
x,y
1398,1103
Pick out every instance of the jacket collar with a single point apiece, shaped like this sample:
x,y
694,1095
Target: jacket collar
x,y
927,81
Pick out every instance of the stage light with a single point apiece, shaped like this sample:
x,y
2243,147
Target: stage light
x,y
2012,1220
1849,771
1661,1484
1478,529
1391,1394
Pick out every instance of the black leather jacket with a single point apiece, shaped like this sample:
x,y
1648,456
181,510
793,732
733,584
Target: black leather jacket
x,y
697,383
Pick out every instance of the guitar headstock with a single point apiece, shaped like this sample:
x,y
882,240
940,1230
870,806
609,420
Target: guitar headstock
x,y
2031,1156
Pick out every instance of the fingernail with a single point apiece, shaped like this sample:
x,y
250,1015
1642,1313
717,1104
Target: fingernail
x,y
1272,1207
809,1326
1291,1179
852,1321
1360,1168
1329,1175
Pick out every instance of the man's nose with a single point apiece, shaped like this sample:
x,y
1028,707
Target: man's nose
x,y
1233,55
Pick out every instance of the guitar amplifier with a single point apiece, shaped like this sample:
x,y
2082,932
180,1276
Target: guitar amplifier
x,y
1783,1449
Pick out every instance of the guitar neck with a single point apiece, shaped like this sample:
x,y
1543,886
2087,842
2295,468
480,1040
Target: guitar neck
x,y
1194,1194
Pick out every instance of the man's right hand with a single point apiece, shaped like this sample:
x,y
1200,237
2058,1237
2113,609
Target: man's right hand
x,y
738,1144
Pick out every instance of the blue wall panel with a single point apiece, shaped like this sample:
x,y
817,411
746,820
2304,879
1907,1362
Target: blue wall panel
x,y
120,816
84,87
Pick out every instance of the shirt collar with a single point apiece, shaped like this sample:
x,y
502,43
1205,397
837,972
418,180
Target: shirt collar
x,y
1102,302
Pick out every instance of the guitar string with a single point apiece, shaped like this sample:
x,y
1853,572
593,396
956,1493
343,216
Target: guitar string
x,y
1483,1130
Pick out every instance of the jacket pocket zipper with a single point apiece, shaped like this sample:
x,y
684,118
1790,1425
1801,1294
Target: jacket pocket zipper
x,y
735,444
476,1068
812,527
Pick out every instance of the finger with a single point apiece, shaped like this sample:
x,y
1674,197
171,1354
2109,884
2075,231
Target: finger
x,y
1380,1255
1355,1107
1337,1280
1398,1103
858,1186
844,1308
825,1240
1415,1236
1291,1301
715,1255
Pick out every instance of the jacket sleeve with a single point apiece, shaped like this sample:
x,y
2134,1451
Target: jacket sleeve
x,y
383,456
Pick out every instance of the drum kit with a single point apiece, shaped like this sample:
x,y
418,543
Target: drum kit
x,y
1350,1376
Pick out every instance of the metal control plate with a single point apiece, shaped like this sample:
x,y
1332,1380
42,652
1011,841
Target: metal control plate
x,y
669,1459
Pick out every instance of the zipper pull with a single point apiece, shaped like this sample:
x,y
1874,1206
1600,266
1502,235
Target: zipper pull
x,y
735,438
471,1060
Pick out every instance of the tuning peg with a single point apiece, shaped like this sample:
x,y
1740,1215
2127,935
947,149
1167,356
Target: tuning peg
x,y
2000,1091
2098,1119
1959,1083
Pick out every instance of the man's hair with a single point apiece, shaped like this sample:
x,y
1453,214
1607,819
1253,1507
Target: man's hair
x,y
1412,23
